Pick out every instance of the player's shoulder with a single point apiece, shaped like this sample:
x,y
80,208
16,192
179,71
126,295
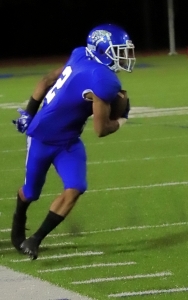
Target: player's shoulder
x,y
79,50
78,59
78,53
105,83
102,72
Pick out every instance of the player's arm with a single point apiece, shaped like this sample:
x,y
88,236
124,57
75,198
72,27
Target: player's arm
x,y
45,84
40,91
120,107
35,100
101,116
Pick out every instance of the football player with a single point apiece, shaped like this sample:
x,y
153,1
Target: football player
x,y
85,86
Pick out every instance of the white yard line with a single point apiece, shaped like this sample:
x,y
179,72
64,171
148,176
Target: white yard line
x,y
109,279
102,265
77,254
136,112
165,184
157,112
116,161
148,112
13,150
136,159
143,227
148,158
42,246
151,292
124,141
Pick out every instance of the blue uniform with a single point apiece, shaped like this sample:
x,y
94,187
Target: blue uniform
x,y
54,133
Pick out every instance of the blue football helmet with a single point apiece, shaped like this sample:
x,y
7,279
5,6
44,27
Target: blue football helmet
x,y
110,45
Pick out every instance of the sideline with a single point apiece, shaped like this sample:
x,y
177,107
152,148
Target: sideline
x,y
18,286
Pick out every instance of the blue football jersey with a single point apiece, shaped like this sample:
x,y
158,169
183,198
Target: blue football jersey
x,y
65,110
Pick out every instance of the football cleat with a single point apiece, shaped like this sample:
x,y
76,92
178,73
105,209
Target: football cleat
x,y
18,231
30,246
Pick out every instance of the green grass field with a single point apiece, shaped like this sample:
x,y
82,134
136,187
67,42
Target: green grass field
x,y
127,237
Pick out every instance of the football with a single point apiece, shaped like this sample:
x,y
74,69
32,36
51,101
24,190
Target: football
x,y
118,106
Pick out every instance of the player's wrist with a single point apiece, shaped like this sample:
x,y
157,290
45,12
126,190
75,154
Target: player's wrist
x,y
32,106
121,121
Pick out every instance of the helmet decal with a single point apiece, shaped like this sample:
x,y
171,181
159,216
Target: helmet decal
x,y
99,35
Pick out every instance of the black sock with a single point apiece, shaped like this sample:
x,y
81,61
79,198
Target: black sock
x,y
50,222
21,207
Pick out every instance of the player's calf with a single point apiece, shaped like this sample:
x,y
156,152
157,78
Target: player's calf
x,y
18,231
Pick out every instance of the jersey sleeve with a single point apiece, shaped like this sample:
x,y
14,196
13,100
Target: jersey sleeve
x,y
106,84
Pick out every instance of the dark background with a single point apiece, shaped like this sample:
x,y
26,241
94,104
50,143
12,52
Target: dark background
x,y
35,27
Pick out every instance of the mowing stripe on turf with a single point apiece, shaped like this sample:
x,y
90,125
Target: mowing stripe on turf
x,y
86,253
88,267
138,276
151,292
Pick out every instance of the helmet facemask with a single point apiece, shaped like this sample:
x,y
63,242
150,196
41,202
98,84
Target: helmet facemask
x,y
122,56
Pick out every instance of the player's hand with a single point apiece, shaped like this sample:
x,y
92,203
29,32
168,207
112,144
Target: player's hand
x,y
127,109
23,121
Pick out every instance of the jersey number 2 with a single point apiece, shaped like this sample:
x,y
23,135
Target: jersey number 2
x,y
59,83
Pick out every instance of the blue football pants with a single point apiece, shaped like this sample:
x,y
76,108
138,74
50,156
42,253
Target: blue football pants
x,y
69,161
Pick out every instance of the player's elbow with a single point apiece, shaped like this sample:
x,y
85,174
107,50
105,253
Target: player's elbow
x,y
46,82
101,128
101,132
101,135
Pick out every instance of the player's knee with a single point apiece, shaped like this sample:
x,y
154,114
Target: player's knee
x,y
75,191
33,198
31,195
82,187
